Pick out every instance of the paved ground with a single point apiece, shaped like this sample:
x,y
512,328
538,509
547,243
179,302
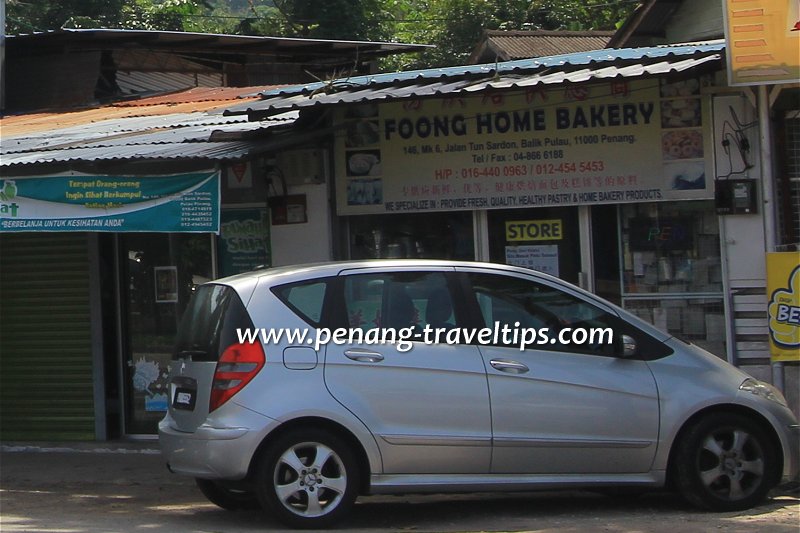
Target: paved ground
x,y
125,488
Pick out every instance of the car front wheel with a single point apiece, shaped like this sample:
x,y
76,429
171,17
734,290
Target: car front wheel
x,y
308,478
726,462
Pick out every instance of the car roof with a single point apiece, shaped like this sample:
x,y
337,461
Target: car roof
x,y
333,268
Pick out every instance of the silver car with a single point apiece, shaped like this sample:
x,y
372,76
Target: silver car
x,y
270,408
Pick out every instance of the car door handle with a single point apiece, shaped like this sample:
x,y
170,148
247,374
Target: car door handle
x,y
364,356
506,365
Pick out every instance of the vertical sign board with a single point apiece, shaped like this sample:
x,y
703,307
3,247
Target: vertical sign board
x,y
762,40
783,289
244,242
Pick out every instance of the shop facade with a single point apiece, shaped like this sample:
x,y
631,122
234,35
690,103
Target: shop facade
x,y
96,269
608,185
639,174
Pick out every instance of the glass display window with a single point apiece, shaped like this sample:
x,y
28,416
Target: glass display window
x,y
446,235
671,270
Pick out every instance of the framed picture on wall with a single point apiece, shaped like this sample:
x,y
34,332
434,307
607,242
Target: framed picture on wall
x,y
166,278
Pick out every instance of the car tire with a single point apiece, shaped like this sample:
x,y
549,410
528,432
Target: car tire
x,y
229,499
308,478
725,462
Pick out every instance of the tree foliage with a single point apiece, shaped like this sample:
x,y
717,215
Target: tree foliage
x,y
579,14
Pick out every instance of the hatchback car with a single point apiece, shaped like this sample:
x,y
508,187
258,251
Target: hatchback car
x,y
266,411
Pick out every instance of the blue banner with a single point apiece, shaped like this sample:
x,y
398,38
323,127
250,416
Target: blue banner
x,y
181,203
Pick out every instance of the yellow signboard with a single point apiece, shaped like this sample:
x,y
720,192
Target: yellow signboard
x,y
534,230
763,41
783,288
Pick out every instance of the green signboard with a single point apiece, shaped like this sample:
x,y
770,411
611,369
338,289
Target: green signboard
x,y
180,203
244,240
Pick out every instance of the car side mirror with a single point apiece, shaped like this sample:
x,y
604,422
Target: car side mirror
x,y
629,347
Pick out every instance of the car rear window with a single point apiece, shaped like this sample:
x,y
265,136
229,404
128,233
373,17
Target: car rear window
x,y
209,324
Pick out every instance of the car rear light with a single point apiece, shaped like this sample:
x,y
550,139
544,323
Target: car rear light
x,y
238,365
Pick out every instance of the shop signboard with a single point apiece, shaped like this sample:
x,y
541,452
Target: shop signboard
x,y
244,242
534,230
613,142
762,40
180,203
783,289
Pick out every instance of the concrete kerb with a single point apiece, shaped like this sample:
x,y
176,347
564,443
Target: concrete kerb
x,y
145,447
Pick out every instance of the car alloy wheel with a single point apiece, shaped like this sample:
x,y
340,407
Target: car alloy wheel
x,y
308,478
726,463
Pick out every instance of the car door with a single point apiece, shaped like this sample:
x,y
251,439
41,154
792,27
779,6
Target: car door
x,y
428,406
561,409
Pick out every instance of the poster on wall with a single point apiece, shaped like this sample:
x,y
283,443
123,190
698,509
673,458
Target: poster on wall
x,y
614,142
166,284
543,257
762,39
783,289
244,241
180,203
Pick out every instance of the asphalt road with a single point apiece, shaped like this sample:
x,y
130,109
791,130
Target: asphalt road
x,y
125,488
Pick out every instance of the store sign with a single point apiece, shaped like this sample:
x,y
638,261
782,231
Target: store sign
x,y
615,142
783,288
244,242
762,39
534,230
181,203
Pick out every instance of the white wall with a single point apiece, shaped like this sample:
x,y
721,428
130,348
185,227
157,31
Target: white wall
x,y
743,234
305,243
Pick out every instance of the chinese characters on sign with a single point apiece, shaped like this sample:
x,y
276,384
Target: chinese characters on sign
x,y
605,143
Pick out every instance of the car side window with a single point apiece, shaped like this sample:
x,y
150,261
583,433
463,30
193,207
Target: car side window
x,y
521,303
306,299
398,300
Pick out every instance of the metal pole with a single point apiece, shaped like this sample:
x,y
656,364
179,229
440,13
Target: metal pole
x,y
769,201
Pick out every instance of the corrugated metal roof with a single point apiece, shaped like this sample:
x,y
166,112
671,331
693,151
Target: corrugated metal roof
x,y
174,151
646,54
137,81
511,45
176,128
574,68
16,125
198,94
182,125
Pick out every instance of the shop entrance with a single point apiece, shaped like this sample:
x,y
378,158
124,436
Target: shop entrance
x,y
546,239
158,273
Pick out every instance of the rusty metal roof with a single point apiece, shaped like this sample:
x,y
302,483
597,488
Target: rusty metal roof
x,y
509,45
202,101
470,79
178,126
198,94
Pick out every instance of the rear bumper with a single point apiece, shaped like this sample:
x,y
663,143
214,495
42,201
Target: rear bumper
x,y
210,452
